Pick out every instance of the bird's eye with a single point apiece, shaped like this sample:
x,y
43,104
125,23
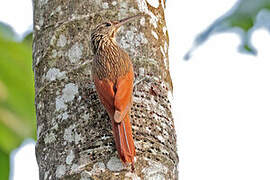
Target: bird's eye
x,y
108,24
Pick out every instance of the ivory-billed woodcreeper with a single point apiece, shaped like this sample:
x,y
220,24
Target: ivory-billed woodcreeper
x,y
112,72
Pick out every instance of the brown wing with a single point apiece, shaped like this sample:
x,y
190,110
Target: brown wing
x,y
123,96
121,125
106,94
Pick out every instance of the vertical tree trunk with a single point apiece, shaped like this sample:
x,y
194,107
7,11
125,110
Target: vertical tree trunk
x,y
74,132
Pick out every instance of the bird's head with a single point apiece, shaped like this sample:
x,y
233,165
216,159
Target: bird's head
x,y
108,29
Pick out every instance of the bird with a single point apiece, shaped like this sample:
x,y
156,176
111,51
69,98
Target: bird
x,y
113,74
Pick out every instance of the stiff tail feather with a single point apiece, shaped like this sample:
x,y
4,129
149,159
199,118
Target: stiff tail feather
x,y
124,140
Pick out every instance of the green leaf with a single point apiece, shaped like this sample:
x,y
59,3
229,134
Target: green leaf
x,y
17,113
17,77
4,165
246,15
9,140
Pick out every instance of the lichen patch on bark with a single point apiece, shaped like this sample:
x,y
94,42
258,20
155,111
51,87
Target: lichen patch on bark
x,y
60,171
54,74
114,164
70,157
68,94
98,168
62,41
75,52
50,138
156,171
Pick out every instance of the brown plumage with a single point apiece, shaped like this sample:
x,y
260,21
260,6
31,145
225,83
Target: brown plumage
x,y
113,75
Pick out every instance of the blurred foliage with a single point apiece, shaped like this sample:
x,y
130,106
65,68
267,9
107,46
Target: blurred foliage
x,y
17,114
28,39
4,165
243,18
6,32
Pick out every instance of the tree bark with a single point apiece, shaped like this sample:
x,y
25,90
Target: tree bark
x,y
74,136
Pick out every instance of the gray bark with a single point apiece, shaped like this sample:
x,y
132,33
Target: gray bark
x,y
74,136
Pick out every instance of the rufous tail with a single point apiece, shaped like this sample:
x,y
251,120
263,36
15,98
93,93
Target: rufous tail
x,y
124,140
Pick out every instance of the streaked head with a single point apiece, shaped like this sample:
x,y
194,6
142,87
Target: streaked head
x,y
108,29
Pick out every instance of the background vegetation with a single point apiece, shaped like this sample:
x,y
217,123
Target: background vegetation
x,y
17,113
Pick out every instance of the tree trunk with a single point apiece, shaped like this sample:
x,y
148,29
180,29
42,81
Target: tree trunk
x,y
74,136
